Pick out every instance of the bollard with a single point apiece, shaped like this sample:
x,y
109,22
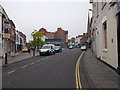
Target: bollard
x,y
33,52
5,58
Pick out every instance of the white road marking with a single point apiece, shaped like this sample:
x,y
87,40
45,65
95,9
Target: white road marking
x,y
49,56
31,63
24,66
11,71
46,57
43,59
38,60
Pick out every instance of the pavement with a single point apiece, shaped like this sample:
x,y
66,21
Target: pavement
x,y
17,57
96,74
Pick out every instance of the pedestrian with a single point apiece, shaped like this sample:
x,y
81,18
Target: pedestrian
x,y
29,50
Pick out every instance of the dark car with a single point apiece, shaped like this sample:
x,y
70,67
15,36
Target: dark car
x,y
58,49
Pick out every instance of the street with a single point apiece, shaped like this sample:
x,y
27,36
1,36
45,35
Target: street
x,y
60,44
56,71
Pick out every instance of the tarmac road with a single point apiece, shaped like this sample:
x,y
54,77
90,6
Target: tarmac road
x,y
55,71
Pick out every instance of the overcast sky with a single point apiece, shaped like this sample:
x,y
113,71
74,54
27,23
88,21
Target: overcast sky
x,y
33,14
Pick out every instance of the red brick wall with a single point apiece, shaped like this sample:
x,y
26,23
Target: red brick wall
x,y
50,35
43,30
61,34
83,41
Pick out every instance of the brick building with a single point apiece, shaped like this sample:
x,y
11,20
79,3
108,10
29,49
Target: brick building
x,y
71,41
59,34
84,39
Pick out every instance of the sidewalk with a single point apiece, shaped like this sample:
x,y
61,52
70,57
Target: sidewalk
x,y
18,57
98,74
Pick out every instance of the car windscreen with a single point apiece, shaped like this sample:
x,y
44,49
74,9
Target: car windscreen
x,y
45,47
25,48
57,47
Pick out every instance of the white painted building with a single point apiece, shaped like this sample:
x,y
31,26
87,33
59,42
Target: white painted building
x,y
77,40
44,37
17,41
1,49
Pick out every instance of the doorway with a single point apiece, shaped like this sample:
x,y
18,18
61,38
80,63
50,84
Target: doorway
x,y
118,38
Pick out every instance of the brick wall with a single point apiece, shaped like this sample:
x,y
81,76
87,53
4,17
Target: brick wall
x,y
59,34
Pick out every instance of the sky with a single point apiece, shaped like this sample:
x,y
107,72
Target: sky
x,y
30,15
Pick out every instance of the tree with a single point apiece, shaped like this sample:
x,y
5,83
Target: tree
x,y
37,38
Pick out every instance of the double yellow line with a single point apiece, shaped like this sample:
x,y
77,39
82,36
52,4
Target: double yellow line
x,y
77,74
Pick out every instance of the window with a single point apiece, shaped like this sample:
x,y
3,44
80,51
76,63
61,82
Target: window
x,y
105,34
6,30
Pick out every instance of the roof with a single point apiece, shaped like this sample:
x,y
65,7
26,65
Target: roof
x,y
54,40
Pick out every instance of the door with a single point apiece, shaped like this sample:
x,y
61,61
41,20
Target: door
x,y
118,36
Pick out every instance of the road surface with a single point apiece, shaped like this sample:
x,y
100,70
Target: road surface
x,y
55,71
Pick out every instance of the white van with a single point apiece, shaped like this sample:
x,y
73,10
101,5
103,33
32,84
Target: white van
x,y
47,49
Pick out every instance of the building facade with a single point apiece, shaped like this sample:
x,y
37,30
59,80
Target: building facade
x,y
84,40
77,39
59,34
11,41
12,38
22,40
6,27
1,49
105,32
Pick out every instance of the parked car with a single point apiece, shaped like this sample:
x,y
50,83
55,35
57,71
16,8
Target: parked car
x,y
70,47
25,49
47,49
83,48
58,49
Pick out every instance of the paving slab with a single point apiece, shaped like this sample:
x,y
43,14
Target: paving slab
x,y
18,57
98,74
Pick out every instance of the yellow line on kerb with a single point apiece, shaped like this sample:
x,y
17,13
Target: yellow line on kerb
x,y
78,81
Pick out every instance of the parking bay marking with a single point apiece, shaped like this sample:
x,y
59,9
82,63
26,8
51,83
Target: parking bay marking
x,y
31,63
11,71
38,60
24,66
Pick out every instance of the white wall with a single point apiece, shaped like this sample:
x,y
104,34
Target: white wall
x,y
1,50
77,40
110,54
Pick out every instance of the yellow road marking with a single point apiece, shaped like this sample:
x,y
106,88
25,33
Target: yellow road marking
x,y
78,81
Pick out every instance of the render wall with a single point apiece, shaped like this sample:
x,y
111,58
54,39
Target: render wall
x,y
110,55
